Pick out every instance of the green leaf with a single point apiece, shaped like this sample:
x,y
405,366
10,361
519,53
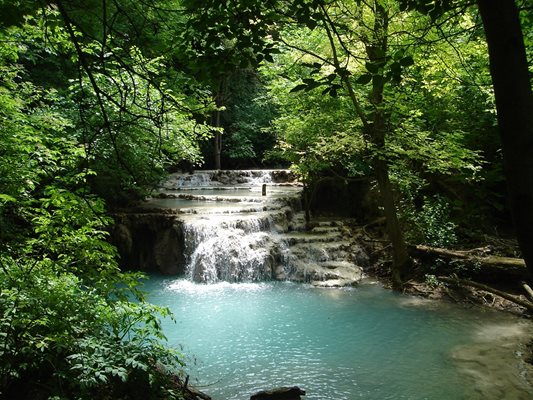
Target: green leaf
x,y
298,88
407,61
399,54
6,198
364,79
372,67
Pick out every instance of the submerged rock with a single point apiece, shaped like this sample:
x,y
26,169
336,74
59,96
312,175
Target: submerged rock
x,y
282,393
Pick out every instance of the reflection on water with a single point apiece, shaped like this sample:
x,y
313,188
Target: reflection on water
x,y
358,343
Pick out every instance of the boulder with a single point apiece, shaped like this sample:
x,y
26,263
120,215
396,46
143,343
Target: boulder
x,y
281,393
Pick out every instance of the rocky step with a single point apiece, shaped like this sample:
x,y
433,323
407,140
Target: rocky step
x,y
321,251
233,188
327,223
228,177
339,273
293,238
214,198
245,209
337,265
331,246
326,229
212,188
318,226
297,222
219,211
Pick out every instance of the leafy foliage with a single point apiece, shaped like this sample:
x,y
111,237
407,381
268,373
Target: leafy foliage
x,y
431,224
435,80
145,128
72,324
247,120
99,99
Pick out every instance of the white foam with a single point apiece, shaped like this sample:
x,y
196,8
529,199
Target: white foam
x,y
189,287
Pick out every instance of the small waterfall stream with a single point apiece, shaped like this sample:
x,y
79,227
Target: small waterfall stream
x,y
234,251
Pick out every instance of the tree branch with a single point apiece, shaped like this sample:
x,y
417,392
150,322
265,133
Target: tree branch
x,y
463,282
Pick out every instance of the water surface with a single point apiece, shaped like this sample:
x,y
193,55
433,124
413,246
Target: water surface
x,y
360,343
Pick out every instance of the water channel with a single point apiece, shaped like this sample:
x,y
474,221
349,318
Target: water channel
x,y
245,325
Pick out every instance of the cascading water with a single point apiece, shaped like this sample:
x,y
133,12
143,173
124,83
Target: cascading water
x,y
231,251
230,229
233,231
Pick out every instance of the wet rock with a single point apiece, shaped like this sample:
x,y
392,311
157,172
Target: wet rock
x,y
283,176
325,229
282,393
334,283
150,242
121,236
304,237
319,274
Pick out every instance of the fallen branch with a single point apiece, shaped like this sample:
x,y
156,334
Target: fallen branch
x,y
475,256
464,282
528,290
197,394
189,392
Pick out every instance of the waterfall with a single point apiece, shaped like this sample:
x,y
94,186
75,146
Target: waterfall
x,y
233,251
231,231
215,226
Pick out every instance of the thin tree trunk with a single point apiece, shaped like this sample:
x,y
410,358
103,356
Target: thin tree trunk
x,y
514,104
377,131
217,139
217,143
216,121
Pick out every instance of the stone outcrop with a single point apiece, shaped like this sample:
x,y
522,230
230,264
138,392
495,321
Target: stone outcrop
x,y
150,241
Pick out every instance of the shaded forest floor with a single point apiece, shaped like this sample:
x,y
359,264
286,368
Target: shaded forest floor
x,y
428,266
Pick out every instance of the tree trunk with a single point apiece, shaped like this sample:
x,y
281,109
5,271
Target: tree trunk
x,y
217,140
217,151
216,122
401,259
487,264
514,104
377,131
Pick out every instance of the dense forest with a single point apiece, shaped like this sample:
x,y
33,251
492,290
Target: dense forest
x,y
428,103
